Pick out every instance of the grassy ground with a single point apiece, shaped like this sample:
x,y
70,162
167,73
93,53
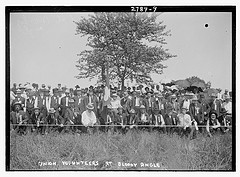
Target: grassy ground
x,y
106,151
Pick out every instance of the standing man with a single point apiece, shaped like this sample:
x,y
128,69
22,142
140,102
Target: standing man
x,y
55,101
19,99
215,104
30,103
78,98
65,102
41,103
91,99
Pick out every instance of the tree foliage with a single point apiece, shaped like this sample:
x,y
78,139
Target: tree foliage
x,y
122,40
194,79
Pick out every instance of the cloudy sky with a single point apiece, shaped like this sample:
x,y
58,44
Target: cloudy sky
x,y
44,48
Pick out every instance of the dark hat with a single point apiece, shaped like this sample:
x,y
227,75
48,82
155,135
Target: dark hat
x,y
213,112
77,86
223,111
55,90
17,103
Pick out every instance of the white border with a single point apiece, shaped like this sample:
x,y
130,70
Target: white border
x,y
4,3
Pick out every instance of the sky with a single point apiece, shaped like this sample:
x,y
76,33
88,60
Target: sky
x,y
44,48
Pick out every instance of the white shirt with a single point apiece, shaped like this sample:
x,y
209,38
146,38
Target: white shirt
x,y
143,118
137,101
88,119
185,120
115,103
228,107
186,104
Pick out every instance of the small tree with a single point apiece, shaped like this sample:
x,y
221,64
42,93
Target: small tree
x,y
119,40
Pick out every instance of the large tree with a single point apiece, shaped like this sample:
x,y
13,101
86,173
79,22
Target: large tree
x,y
123,43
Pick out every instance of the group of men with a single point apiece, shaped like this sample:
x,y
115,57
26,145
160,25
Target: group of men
x,y
42,110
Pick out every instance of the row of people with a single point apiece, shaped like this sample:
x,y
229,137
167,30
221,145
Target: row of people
x,y
124,119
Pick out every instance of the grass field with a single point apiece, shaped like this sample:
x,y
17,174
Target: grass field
x,y
132,151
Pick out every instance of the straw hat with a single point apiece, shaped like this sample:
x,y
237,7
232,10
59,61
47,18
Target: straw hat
x,y
90,107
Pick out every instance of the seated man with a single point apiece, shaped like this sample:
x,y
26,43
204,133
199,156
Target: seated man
x,y
185,123
157,120
133,119
38,120
121,119
213,124
54,121
89,118
71,116
18,118
144,118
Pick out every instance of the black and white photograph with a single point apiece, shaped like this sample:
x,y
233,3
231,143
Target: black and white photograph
x,y
120,88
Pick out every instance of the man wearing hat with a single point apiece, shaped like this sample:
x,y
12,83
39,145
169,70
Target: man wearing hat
x,y
225,94
78,98
185,123
91,98
157,119
54,121
228,105
54,100
143,116
175,103
41,102
205,108
19,99
213,124
136,101
30,103
88,118
71,116
65,102
121,119
126,102
38,121
187,101
133,118
158,102
224,120
148,102
115,103
18,118
215,104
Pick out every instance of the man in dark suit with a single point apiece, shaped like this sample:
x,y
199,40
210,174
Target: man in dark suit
x,y
18,118
38,121
54,121
41,102
215,104
91,99
54,100
30,103
79,100
65,102
136,101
